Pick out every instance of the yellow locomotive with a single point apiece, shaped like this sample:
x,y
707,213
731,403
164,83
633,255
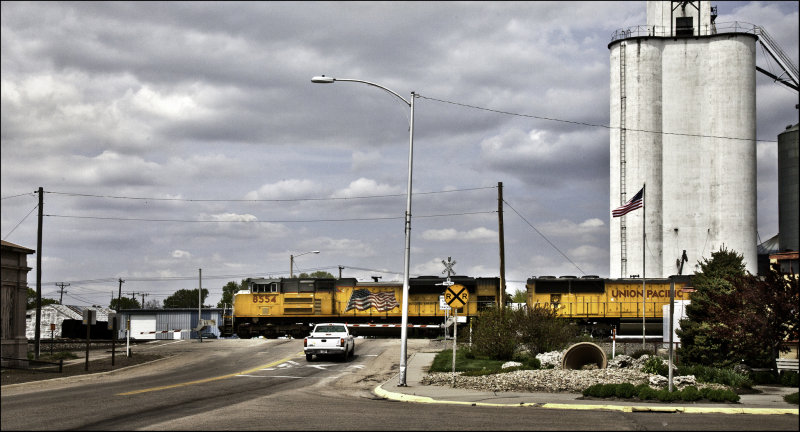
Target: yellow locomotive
x,y
278,307
599,304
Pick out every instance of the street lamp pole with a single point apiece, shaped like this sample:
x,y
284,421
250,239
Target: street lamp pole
x,y
407,259
291,261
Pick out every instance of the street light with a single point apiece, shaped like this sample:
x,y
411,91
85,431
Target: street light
x,y
404,323
291,261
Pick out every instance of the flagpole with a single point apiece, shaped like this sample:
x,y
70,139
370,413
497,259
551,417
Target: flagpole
x,y
644,238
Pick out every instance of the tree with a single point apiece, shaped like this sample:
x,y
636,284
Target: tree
x,y
700,343
124,303
541,330
757,316
31,303
229,289
520,296
319,274
184,299
152,304
735,316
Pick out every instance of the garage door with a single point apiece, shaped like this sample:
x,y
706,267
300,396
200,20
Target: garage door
x,y
143,326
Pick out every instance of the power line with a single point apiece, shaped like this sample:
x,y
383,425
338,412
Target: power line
x,y
265,221
86,195
19,195
544,237
586,123
23,220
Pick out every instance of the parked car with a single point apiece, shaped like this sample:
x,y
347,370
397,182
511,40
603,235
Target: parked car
x,y
208,335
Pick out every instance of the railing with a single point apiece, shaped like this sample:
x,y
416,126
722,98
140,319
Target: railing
x,y
705,30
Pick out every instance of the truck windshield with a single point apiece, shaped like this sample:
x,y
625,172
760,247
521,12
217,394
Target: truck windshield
x,y
330,329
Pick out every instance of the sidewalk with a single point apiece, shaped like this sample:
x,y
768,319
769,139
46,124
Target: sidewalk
x,y
770,401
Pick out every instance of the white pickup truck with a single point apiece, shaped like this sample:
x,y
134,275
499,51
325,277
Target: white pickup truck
x,y
329,339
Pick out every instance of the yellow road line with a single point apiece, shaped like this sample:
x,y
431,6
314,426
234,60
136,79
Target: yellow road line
x,y
205,380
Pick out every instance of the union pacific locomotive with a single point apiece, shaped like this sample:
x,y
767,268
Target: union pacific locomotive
x,y
278,307
599,304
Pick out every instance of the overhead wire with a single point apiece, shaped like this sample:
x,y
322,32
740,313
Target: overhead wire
x,y
543,236
23,220
266,221
266,199
587,123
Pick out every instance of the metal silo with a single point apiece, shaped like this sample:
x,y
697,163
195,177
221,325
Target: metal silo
x,y
683,123
788,190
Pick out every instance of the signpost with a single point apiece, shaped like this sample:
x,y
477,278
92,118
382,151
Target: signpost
x,y
456,297
89,318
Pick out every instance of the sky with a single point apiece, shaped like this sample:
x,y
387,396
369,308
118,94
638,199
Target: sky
x,y
178,138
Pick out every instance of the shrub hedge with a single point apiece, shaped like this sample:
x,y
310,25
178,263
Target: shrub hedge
x,y
645,392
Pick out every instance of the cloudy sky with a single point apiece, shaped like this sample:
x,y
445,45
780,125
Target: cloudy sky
x,y
172,137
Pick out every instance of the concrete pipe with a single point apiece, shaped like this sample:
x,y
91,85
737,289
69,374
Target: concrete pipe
x,y
584,353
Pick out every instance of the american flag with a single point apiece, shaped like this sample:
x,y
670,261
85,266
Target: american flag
x,y
634,203
363,299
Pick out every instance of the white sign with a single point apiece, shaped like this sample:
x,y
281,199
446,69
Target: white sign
x,y
443,304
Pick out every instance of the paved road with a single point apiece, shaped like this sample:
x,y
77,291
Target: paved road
x,y
267,384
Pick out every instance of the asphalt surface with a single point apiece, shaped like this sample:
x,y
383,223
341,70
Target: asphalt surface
x,y
768,401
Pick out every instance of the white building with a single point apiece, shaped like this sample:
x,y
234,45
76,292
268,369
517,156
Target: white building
x,y
683,123
56,314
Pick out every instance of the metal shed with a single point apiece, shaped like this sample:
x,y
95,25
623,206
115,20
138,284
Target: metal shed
x,y
169,323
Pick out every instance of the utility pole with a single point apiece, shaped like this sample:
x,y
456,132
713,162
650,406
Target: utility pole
x,y
119,297
143,295
37,336
502,242
340,271
199,303
132,294
61,285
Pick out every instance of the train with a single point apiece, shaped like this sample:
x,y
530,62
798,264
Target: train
x,y
274,307
290,307
600,305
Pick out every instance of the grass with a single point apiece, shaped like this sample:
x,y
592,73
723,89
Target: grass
x,y
792,398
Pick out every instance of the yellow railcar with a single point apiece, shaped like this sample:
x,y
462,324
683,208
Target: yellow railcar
x,y
601,304
277,307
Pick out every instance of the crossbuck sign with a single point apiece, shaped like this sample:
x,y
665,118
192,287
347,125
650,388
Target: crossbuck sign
x,y
456,295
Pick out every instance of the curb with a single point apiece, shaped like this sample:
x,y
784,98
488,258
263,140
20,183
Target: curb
x,y
381,392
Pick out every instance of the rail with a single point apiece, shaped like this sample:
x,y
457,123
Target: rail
x,y
788,364
706,30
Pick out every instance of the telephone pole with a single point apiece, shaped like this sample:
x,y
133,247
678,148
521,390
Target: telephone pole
x,y
143,295
61,285
133,295
502,243
37,336
119,297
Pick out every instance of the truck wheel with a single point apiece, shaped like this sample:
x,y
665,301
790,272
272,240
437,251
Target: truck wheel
x,y
309,357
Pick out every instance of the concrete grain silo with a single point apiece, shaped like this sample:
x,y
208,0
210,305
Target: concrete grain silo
x,y
683,123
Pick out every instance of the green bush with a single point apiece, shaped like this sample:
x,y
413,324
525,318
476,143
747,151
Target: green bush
x,y
789,379
494,334
625,390
764,377
648,393
592,391
690,394
533,363
664,395
655,365
725,376
640,352
791,398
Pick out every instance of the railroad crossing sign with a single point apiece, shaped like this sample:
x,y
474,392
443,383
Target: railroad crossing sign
x,y
456,295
